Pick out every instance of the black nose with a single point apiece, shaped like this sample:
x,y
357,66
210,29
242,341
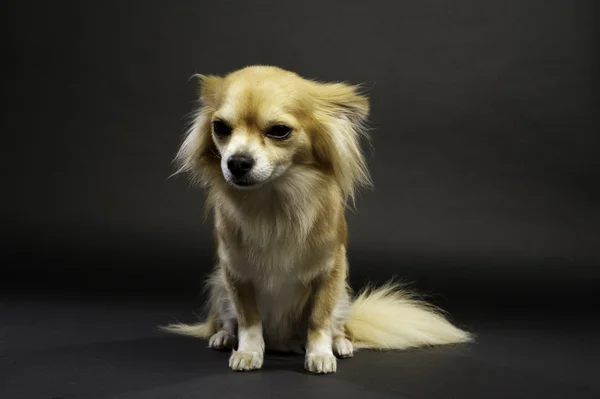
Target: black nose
x,y
239,165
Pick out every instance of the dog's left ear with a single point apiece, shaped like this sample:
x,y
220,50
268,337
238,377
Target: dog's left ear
x,y
341,113
345,101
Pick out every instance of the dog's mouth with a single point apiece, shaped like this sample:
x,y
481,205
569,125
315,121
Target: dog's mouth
x,y
244,183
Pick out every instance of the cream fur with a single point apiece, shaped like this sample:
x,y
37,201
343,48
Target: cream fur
x,y
281,244
390,317
383,318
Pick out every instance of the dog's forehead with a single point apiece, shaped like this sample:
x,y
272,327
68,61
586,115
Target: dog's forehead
x,y
258,100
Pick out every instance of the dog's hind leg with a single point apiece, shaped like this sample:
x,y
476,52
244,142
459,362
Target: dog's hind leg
x,y
223,310
225,338
341,344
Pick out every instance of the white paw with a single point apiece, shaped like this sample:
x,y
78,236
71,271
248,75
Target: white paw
x,y
320,363
221,340
245,361
342,347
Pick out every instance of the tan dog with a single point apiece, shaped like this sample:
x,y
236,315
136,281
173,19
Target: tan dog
x,y
280,157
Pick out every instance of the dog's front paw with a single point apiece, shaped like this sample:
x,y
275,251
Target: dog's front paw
x,y
342,347
245,361
221,340
321,363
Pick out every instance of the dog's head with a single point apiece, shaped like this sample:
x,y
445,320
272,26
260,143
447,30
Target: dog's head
x,y
255,126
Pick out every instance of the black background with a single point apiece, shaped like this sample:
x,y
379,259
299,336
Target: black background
x,y
485,141
484,134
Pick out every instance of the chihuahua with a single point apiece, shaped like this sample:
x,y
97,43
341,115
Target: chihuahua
x,y
280,158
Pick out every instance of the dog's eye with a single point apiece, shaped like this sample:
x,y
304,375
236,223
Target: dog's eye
x,y
279,131
220,128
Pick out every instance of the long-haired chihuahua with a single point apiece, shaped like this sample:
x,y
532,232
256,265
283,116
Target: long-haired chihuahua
x,y
281,160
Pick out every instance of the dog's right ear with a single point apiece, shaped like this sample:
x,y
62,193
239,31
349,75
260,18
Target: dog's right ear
x,y
209,89
198,154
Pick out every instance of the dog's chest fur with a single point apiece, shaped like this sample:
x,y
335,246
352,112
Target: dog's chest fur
x,y
269,251
281,249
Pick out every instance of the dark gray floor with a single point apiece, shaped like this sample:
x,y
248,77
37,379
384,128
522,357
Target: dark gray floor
x,y
78,347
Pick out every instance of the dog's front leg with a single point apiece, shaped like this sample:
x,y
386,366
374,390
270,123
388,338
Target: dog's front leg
x,y
327,289
251,345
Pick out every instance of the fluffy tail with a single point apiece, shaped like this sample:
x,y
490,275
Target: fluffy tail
x,y
202,330
390,317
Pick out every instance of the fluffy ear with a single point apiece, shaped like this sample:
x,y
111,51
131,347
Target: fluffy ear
x,y
198,154
341,113
209,89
